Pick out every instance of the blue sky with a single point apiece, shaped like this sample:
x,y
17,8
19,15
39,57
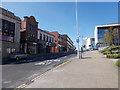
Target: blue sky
x,y
61,16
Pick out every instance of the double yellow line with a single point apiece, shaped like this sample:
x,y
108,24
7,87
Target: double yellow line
x,y
42,75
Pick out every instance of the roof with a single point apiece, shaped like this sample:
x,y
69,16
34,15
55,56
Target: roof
x,y
46,32
9,14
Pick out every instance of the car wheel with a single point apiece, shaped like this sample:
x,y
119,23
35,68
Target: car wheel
x,y
17,58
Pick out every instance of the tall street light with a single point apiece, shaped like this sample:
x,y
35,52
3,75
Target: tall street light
x,y
77,30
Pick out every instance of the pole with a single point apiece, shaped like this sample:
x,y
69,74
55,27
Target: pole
x,y
78,51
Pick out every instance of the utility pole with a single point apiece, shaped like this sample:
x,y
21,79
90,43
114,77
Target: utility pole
x,y
77,30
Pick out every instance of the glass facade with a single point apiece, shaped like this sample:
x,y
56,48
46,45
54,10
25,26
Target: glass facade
x,y
101,35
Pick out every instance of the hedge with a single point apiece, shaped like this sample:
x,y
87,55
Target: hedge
x,y
113,56
118,63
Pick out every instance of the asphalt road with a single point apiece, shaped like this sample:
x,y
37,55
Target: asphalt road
x,y
19,72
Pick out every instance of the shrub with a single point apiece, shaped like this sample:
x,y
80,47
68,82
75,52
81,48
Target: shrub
x,y
106,52
113,56
118,63
109,49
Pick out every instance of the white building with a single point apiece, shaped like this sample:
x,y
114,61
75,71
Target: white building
x,y
46,41
88,43
100,33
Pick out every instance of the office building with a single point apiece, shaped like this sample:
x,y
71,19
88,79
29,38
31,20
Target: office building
x,y
100,31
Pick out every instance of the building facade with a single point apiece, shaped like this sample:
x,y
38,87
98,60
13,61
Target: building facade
x,y
9,32
63,43
29,30
46,42
69,43
100,34
88,43
60,42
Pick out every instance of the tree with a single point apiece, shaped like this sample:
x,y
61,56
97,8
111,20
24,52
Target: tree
x,y
110,36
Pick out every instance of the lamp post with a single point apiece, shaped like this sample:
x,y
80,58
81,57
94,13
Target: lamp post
x,y
77,30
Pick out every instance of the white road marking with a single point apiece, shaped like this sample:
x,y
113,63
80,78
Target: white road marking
x,y
6,81
41,63
56,60
64,56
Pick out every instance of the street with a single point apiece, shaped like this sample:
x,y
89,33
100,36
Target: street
x,y
19,72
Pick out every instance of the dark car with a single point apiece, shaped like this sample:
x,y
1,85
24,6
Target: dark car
x,y
18,55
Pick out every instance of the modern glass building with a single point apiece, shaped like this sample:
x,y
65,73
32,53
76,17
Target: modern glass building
x,y
100,33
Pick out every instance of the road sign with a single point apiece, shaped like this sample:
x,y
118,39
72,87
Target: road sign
x,y
77,40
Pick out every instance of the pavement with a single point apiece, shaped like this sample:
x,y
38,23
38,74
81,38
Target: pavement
x,y
93,71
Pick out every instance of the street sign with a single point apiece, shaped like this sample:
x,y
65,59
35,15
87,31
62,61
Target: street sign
x,y
77,40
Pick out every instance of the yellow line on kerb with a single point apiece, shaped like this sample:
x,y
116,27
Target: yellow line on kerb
x,y
42,75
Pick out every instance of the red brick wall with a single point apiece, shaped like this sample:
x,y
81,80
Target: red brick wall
x,y
24,27
55,49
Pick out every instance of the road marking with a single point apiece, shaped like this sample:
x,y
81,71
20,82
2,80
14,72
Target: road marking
x,y
65,57
41,63
6,81
56,60
40,76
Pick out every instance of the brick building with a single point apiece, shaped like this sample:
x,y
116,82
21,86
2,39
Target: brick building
x,y
63,43
60,43
29,30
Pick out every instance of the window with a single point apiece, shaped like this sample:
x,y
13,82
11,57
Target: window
x,y
8,28
44,37
52,39
12,28
47,38
12,50
8,50
40,36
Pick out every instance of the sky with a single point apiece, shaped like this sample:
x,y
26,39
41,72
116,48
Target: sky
x,y
61,16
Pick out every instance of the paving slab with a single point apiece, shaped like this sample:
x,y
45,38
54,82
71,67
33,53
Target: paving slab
x,y
93,71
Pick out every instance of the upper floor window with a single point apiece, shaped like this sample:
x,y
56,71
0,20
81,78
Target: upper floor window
x,y
47,38
52,39
32,27
40,36
44,37
8,28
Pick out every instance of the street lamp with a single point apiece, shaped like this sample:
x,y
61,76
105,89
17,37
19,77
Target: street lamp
x,y
77,30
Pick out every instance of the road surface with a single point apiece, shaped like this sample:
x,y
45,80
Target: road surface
x,y
19,72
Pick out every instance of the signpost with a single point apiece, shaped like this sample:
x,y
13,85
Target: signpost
x,y
78,51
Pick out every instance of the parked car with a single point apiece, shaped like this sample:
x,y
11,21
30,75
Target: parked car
x,y
18,55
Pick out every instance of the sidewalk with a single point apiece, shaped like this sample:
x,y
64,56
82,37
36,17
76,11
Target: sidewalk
x,y
93,71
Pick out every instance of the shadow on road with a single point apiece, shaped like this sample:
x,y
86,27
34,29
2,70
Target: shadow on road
x,y
86,57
